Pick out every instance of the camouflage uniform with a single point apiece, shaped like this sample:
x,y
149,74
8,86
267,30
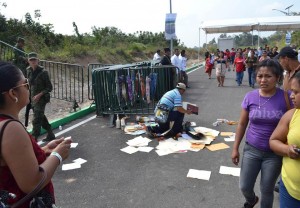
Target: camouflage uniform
x,y
20,59
40,82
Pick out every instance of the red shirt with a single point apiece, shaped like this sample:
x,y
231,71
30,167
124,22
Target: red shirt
x,y
8,183
239,64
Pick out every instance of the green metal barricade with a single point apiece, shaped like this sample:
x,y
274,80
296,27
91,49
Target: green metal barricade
x,y
131,89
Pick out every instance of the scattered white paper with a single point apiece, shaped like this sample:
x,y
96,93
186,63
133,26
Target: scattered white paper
x,y
199,174
70,166
230,171
145,149
129,150
193,124
80,161
138,141
74,145
230,139
163,152
206,131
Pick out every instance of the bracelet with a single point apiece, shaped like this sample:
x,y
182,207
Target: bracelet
x,y
57,155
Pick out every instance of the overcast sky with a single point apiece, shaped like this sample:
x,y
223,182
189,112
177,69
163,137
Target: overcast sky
x,y
144,15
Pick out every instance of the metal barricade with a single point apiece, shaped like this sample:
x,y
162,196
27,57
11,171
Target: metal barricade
x,y
67,80
127,89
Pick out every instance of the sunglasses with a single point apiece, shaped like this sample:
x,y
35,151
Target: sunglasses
x,y
21,85
25,84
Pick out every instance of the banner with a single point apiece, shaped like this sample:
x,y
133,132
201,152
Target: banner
x,y
170,26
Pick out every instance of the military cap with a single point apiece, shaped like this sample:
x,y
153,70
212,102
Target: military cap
x,y
32,55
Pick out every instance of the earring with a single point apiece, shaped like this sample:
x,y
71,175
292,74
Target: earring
x,y
16,100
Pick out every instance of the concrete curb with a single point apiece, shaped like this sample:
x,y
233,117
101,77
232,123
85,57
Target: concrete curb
x,y
71,117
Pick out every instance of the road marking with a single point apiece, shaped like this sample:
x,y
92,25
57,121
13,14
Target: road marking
x,y
75,126
70,128
196,68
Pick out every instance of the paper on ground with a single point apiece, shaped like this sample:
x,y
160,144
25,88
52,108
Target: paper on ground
x,y
199,174
230,170
224,133
163,152
138,141
129,150
219,146
70,166
145,149
80,161
74,145
230,138
207,131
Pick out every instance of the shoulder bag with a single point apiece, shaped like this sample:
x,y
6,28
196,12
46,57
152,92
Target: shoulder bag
x,y
4,195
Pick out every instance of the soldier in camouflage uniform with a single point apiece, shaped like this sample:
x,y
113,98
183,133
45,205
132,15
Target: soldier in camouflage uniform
x,y
20,56
40,88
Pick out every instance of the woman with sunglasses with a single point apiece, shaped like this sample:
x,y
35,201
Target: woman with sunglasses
x,y
21,158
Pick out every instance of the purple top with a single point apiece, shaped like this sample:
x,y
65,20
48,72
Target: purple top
x,y
263,120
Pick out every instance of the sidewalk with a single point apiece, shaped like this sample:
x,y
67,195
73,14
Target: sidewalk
x,y
114,179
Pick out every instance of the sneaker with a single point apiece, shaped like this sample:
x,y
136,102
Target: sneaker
x,y
248,205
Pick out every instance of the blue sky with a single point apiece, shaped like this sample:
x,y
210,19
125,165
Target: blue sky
x,y
144,15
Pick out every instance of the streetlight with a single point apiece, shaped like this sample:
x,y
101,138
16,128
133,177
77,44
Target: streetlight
x,y
286,13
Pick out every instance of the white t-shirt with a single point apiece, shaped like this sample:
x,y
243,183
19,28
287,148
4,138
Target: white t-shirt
x,y
298,55
183,62
156,57
176,61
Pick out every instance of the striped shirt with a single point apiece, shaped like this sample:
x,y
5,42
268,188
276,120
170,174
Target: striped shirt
x,y
172,99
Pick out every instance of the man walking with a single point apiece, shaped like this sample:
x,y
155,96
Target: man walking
x,y
20,57
40,88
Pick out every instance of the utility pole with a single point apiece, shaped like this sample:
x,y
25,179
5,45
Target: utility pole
x,y
288,35
171,41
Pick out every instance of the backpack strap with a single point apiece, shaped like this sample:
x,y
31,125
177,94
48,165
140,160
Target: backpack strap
x,y
40,184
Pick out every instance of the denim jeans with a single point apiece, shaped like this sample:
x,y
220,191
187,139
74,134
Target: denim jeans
x,y
253,162
286,200
251,76
239,77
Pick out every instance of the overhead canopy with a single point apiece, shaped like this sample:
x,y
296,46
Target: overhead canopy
x,y
250,24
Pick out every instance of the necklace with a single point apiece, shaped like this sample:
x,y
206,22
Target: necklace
x,y
260,105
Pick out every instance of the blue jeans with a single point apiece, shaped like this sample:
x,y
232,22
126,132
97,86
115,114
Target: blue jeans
x,y
251,76
253,162
239,77
286,200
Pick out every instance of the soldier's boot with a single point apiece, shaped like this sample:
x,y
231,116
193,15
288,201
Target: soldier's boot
x,y
50,136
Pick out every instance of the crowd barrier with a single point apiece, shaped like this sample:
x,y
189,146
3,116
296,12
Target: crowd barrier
x,y
131,89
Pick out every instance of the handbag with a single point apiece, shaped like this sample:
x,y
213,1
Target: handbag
x,y
161,113
36,201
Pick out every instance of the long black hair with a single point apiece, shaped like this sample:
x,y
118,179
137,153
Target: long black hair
x,y
10,75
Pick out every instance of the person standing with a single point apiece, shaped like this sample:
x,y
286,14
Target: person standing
x,y
40,88
22,159
261,112
221,68
285,142
239,65
288,59
166,60
251,62
20,59
208,64
184,77
156,56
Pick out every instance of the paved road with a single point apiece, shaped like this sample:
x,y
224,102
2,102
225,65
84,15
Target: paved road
x,y
114,179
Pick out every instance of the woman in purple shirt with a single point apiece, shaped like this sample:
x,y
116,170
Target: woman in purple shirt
x,y
261,112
